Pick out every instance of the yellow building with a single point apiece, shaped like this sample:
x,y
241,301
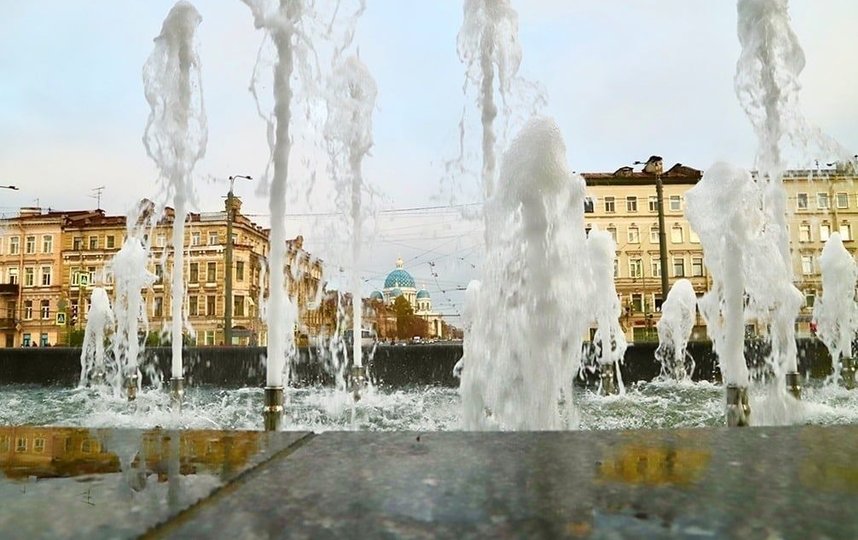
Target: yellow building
x,y
625,204
49,263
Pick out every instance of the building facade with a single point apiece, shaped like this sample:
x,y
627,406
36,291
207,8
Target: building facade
x,y
625,204
50,262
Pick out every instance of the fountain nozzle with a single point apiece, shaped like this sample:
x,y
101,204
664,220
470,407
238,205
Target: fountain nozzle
x,y
738,410
177,393
793,384
357,380
131,387
272,411
847,372
608,385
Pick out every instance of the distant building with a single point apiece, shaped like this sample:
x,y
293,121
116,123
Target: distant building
x,y
400,283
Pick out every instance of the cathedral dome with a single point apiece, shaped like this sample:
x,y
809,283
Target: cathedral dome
x,y
399,277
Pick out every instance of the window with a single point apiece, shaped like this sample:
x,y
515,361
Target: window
x,y
804,232
93,242
801,201
38,445
194,273
209,337
160,241
822,201
45,310
26,340
610,207
589,205
696,266
613,232
809,299
211,272
46,276
675,203
110,242
13,276
158,308
807,265
238,306
30,244
28,310
655,265
824,231
634,235
631,204
193,306
653,203
678,267
159,273
653,234
29,277
213,240
635,268
195,238
842,199
637,302
47,243
20,444
14,245
692,236
77,243
210,305
239,270
4,444
11,309
846,232
676,234
75,276
616,268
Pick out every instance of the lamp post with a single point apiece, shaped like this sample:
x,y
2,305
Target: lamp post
x,y
654,165
230,217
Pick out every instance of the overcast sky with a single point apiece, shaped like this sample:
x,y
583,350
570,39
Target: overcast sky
x,y
624,79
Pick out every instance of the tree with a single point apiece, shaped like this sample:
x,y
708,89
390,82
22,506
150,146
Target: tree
x,y
408,324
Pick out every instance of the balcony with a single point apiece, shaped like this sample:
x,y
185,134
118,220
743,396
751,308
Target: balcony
x,y
8,324
9,288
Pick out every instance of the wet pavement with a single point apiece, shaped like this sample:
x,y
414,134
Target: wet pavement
x,y
794,482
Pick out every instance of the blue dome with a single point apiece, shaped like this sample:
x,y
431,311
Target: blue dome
x,y
376,295
395,292
399,277
422,293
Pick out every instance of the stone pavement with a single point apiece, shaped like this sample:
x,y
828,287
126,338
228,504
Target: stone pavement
x,y
795,482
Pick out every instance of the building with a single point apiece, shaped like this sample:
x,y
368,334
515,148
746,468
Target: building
x,y
625,204
50,261
400,283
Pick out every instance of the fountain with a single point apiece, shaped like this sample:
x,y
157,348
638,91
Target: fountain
x,y
609,335
835,313
348,130
175,139
678,314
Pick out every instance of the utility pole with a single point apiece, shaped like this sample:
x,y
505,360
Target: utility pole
x,y
230,217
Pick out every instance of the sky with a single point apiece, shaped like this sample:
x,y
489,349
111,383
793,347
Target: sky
x,y
624,79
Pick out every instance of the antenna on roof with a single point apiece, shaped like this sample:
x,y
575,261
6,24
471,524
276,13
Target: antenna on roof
x,y
98,190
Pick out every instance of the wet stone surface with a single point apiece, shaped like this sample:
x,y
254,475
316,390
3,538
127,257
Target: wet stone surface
x,y
792,482
60,482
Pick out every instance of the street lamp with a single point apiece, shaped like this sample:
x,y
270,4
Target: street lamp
x,y
654,165
230,217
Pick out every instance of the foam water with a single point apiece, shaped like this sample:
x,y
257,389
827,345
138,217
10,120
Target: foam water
x,y
529,315
835,312
99,322
176,135
678,313
609,337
